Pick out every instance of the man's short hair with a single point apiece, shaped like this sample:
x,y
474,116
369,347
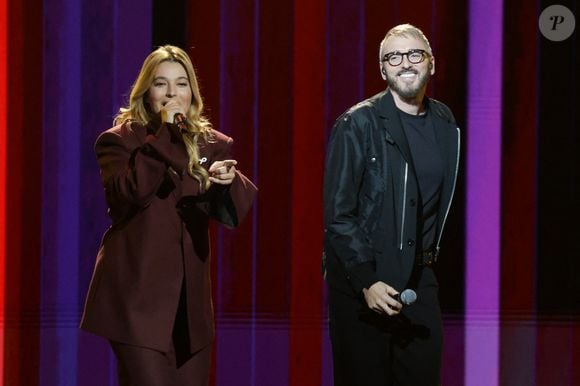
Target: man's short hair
x,y
404,30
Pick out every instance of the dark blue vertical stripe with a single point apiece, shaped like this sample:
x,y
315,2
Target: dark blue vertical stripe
x,y
91,52
60,213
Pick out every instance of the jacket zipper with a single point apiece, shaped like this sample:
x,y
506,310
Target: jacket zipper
x,y
404,204
452,190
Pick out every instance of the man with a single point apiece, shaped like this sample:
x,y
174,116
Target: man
x,y
390,175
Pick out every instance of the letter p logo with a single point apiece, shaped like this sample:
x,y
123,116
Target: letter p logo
x,y
557,23
557,20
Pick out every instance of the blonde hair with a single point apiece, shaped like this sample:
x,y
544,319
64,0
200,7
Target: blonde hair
x,y
197,124
404,30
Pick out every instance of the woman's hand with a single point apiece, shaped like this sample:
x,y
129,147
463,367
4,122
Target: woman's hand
x,y
169,110
223,172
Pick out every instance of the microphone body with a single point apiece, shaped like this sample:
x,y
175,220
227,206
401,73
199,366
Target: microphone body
x,y
406,297
180,120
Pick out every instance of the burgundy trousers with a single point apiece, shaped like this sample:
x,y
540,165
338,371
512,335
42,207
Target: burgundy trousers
x,y
141,366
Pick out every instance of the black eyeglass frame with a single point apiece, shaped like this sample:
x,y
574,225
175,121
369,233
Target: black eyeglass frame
x,y
424,55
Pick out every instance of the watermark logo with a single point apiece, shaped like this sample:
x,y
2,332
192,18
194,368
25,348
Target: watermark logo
x,y
557,23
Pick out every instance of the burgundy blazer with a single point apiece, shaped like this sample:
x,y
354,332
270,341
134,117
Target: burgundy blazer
x,y
158,240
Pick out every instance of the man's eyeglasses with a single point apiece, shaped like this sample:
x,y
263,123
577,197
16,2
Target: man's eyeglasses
x,y
413,56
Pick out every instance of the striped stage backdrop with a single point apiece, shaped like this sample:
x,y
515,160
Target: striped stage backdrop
x,y
275,75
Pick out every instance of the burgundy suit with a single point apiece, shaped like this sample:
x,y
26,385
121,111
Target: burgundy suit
x,y
158,242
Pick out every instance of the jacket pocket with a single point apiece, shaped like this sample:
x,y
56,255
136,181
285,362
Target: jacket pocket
x,y
373,183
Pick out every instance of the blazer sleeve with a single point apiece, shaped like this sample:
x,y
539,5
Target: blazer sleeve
x,y
229,204
132,171
343,174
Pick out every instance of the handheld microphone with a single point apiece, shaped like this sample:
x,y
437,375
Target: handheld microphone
x,y
180,120
406,297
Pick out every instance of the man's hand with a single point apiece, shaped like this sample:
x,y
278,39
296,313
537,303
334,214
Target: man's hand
x,y
379,297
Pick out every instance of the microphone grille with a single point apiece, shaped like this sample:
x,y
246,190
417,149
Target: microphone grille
x,y
408,297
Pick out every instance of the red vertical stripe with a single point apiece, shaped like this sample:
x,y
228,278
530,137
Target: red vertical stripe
x,y
3,124
23,190
274,166
237,95
14,106
203,38
518,249
274,160
575,357
308,156
519,161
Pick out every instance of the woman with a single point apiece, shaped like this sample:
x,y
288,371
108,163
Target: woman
x,y
165,172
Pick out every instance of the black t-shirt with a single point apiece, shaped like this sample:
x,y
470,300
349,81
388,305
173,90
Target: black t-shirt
x,y
428,163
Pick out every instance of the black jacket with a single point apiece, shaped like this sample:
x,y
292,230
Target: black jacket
x,y
371,194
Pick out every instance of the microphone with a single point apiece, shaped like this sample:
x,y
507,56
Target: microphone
x,y
406,297
180,120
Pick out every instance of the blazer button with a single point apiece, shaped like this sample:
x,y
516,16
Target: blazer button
x,y
412,202
410,242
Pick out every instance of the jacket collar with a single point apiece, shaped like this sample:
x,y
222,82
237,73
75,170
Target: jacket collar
x,y
446,134
389,114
